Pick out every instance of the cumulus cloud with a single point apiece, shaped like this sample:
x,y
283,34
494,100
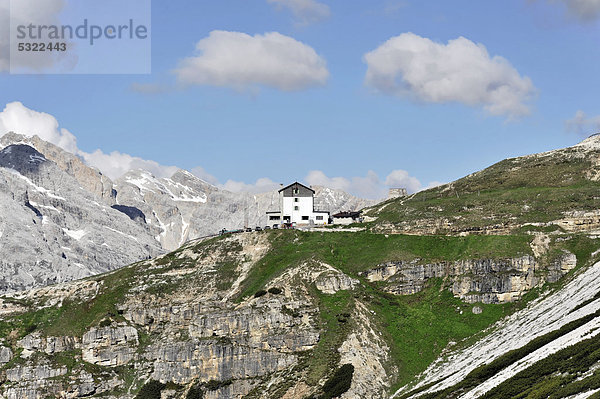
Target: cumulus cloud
x,y
401,178
200,172
461,71
262,185
240,61
369,186
305,11
25,12
116,164
583,125
19,119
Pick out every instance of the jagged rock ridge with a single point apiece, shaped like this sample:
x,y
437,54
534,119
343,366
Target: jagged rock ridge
x,y
63,220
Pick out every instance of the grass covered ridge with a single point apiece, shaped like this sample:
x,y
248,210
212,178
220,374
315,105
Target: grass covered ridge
x,y
360,251
510,193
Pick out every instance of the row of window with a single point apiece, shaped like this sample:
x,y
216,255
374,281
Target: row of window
x,y
303,217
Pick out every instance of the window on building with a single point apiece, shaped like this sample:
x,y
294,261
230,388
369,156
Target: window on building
x,y
319,217
274,218
304,217
296,191
296,208
296,199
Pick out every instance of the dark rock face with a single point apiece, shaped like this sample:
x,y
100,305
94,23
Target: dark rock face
x,y
131,211
24,159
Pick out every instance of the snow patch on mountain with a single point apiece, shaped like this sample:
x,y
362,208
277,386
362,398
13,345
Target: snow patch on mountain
x,y
75,234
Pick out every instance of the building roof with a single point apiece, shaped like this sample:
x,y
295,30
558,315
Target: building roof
x,y
294,183
347,214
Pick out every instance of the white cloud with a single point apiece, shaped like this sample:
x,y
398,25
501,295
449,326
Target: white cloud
x,y
242,62
369,186
19,119
305,11
460,71
200,172
25,12
262,185
583,125
116,164
401,178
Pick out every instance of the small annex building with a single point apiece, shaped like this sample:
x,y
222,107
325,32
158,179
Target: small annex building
x,y
297,205
347,217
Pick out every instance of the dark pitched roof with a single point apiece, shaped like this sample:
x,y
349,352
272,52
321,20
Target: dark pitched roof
x,y
300,184
347,214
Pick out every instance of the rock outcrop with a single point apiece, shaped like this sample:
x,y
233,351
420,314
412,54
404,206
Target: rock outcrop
x,y
195,335
483,280
53,230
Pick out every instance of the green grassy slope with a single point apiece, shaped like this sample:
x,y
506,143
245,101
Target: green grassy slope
x,y
416,327
532,189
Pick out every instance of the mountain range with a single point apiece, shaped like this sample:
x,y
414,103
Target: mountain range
x,y
63,220
487,287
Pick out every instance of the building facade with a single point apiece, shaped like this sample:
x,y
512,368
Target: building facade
x,y
347,217
296,205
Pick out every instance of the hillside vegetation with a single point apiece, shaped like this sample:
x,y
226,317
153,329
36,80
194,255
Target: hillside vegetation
x,y
315,315
266,272
536,189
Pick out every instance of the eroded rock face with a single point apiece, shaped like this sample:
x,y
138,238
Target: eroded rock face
x,y
56,223
6,355
367,352
50,345
332,282
110,346
195,334
206,360
90,179
34,373
484,280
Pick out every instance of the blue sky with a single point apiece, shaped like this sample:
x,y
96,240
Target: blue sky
x,y
335,121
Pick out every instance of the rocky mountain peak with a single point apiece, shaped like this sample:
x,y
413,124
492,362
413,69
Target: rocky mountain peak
x,y
591,143
189,179
89,178
22,158
64,220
